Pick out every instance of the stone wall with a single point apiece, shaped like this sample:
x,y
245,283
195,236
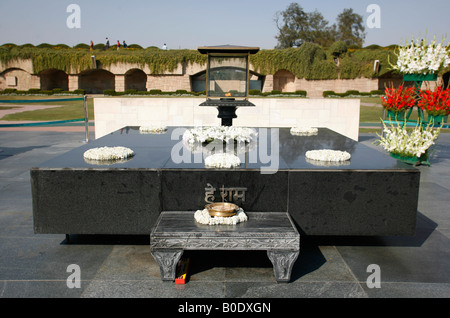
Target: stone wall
x,y
340,115
169,83
120,77
315,88
19,79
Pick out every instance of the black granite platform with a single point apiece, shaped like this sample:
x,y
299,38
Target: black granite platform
x,y
373,194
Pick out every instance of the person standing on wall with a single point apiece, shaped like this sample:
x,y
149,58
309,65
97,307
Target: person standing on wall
x,y
107,44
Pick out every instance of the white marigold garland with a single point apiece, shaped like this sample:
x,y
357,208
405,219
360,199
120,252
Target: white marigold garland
x,y
108,153
224,133
152,129
203,217
222,160
304,131
328,155
327,163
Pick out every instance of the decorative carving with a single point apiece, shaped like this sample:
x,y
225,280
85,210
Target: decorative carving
x,y
282,261
167,260
225,243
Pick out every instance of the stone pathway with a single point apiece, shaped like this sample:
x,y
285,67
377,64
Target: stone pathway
x,y
21,108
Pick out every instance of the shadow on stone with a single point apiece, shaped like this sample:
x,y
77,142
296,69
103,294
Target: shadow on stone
x,y
201,261
6,152
309,259
425,227
103,239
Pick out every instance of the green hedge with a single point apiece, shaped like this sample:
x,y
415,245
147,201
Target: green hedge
x,y
352,93
257,92
37,91
253,92
338,48
111,92
309,61
73,60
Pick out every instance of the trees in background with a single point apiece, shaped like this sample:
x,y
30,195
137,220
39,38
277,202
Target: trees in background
x,y
295,27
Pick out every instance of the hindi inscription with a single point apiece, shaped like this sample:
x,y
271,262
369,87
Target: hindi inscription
x,y
230,194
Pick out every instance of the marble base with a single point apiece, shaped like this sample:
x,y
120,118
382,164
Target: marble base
x,y
338,114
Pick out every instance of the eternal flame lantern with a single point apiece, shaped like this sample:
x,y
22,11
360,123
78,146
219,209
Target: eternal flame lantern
x,y
227,79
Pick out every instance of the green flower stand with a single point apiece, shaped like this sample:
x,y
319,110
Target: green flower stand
x,y
418,79
412,160
437,119
395,116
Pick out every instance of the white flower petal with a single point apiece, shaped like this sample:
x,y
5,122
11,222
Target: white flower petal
x,y
203,217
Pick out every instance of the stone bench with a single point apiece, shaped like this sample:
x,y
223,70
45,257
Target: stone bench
x,y
271,231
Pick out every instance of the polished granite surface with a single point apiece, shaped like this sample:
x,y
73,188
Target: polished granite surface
x,y
357,197
167,151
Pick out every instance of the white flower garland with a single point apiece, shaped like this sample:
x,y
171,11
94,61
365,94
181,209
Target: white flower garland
x,y
224,133
327,163
222,160
153,129
108,153
304,131
328,155
203,217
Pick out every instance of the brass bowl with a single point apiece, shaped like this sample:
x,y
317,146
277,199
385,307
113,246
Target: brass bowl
x,y
224,209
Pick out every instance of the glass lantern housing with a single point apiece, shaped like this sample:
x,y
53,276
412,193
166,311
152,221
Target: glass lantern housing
x,y
227,79
227,74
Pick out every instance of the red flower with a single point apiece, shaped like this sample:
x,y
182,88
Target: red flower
x,y
435,102
399,99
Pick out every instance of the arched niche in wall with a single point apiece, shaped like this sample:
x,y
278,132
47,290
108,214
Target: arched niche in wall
x,y
54,78
136,79
96,81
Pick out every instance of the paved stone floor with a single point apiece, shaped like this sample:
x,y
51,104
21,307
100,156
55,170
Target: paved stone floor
x,y
121,266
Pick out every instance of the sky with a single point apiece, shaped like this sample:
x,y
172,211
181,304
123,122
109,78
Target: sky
x,y
189,24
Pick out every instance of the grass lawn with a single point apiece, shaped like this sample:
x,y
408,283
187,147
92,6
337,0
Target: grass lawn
x,y
68,110
75,110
